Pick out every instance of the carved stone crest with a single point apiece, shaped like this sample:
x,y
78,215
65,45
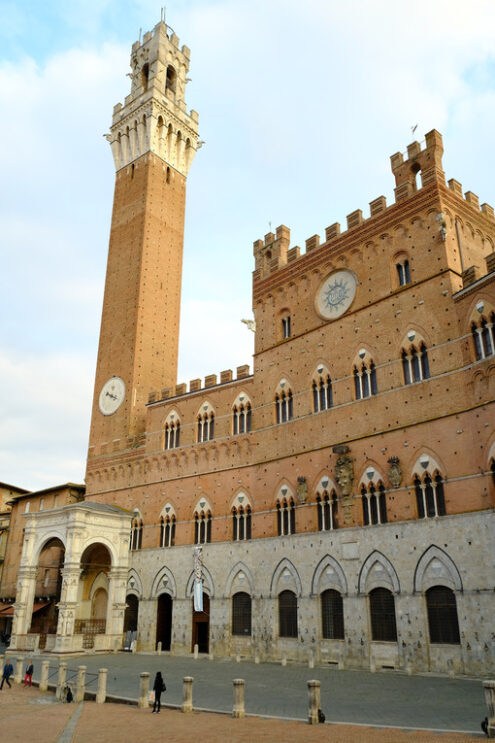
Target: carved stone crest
x,y
344,470
394,472
302,489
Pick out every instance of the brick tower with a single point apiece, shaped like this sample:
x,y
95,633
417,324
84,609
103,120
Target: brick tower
x,y
153,141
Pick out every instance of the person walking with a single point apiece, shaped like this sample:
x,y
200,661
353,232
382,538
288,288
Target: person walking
x,y
8,671
158,687
29,674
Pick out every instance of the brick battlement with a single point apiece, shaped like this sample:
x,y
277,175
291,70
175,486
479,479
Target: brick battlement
x,y
180,390
274,252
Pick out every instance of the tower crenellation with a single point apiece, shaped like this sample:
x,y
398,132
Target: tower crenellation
x,y
154,116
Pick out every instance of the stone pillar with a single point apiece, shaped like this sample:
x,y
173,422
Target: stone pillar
x,y
19,663
313,701
101,692
62,675
238,709
81,683
159,648
144,688
489,689
45,668
116,605
67,606
196,652
23,607
187,705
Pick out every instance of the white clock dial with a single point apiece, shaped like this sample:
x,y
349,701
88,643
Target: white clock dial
x,y
336,294
112,395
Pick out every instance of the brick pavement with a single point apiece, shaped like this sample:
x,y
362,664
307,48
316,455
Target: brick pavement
x,y
27,714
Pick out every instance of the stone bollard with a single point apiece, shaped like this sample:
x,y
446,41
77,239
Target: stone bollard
x,y
45,668
256,658
159,648
284,661
238,658
144,689
101,692
62,675
2,661
187,705
489,689
238,709
311,659
196,651
313,702
81,683
19,662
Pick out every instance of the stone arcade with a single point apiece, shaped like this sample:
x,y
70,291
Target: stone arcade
x,y
343,492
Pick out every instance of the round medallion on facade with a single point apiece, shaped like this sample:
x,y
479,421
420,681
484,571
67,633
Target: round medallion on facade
x,y
112,395
336,294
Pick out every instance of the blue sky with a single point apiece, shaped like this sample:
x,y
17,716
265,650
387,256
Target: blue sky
x,y
301,106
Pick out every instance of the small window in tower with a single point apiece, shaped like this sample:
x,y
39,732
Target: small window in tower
x,y
416,167
168,175
145,71
171,79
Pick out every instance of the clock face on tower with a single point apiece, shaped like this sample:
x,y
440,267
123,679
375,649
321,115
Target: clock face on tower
x,y
112,395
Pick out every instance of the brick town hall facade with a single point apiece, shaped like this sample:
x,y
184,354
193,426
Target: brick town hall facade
x,y
343,493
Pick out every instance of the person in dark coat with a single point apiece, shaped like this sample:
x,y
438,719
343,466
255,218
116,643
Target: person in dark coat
x,y
158,687
8,671
29,673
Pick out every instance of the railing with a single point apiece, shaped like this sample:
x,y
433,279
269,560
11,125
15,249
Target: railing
x,y
88,628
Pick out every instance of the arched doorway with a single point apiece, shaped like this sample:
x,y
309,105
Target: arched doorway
x,y
47,592
92,612
201,626
164,620
131,613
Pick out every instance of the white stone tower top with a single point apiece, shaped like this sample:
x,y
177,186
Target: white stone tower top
x,y
154,116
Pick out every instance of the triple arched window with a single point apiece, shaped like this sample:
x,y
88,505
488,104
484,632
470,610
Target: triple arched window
x,y
322,392
430,497
284,409
167,531
136,536
202,528
172,433
484,337
241,418
415,364
286,517
241,523
374,502
206,426
365,380
326,505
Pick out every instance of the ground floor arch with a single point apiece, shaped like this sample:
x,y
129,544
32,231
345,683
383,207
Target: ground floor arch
x,y
164,611
201,626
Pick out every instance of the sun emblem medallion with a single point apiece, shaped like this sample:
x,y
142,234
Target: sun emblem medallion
x,y
336,294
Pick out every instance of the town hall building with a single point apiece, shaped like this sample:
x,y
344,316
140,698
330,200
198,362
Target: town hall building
x,y
342,489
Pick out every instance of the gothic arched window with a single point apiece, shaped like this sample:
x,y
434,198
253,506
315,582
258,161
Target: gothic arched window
x,y
284,410
382,614
374,503
322,392
241,614
332,615
443,622
430,498
365,380
286,517
484,337
326,505
287,614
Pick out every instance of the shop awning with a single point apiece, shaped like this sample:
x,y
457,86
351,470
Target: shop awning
x,y
9,610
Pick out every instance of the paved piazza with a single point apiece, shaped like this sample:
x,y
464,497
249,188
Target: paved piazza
x,y
358,697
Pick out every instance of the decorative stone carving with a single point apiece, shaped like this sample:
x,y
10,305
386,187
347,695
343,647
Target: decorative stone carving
x,y
302,489
394,472
344,470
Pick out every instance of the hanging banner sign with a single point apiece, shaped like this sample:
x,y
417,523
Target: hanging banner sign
x,y
198,579
198,595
